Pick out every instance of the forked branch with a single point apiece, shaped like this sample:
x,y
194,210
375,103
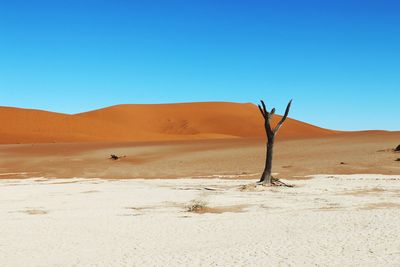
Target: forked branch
x,y
278,126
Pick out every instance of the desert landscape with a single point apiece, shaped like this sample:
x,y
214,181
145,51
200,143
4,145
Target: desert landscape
x,y
199,140
182,190
199,133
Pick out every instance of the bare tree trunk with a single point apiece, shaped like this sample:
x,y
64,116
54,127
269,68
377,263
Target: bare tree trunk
x,y
267,174
266,177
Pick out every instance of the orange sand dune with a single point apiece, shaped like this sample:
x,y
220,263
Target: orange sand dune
x,y
186,121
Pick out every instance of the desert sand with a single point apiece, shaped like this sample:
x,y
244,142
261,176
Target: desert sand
x,y
162,122
327,220
369,152
213,139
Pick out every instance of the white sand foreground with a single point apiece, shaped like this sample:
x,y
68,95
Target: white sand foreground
x,y
330,220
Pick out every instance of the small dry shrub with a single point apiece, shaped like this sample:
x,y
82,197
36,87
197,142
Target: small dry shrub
x,y
196,206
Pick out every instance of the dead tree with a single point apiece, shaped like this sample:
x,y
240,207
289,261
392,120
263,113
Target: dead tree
x,y
266,178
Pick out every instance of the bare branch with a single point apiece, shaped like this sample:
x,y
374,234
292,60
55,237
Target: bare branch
x,y
278,126
262,112
271,114
264,107
272,111
267,116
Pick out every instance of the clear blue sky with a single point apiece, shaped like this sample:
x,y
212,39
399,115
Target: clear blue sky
x,y
339,60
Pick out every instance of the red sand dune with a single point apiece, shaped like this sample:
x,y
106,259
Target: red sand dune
x,y
184,121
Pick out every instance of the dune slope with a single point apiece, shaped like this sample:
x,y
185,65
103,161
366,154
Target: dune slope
x,y
185,121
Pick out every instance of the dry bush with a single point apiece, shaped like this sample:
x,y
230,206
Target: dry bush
x,y
196,206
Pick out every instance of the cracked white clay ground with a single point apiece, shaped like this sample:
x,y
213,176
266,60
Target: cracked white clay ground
x,y
329,220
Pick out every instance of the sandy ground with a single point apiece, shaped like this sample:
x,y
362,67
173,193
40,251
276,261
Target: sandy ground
x,y
369,152
329,220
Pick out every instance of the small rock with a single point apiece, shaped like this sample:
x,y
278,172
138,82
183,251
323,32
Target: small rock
x,y
397,149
